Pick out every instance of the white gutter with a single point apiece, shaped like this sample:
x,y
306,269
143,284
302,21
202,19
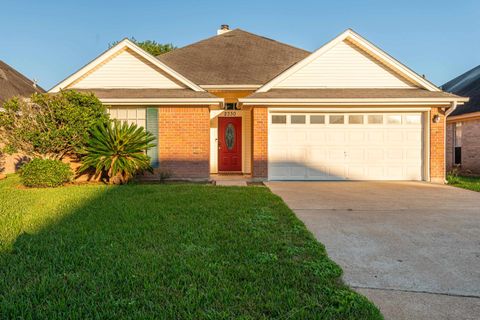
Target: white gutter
x,y
447,113
159,101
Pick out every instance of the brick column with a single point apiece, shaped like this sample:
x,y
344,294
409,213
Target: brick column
x,y
260,142
184,141
437,147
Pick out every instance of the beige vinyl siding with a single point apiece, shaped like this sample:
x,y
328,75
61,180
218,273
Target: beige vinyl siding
x,y
344,66
126,70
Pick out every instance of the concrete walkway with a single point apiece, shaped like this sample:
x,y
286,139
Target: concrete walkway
x,y
412,248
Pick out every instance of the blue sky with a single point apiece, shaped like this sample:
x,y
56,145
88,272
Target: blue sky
x,y
48,40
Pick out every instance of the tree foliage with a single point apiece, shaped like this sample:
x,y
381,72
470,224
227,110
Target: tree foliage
x,y
50,125
118,150
151,46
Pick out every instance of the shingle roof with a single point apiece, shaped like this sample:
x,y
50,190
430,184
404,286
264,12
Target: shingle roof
x,y
13,83
236,57
147,93
468,85
349,94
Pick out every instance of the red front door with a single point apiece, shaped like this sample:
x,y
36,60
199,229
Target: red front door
x,y
230,144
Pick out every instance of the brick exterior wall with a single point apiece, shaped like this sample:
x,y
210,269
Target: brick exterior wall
x,y
437,147
470,146
260,142
184,146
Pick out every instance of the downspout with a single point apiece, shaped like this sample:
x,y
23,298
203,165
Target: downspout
x,y
447,113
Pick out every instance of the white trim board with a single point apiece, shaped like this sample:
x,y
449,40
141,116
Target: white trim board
x,y
364,45
125,43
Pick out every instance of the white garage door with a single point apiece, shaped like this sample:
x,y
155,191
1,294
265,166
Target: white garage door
x,y
345,146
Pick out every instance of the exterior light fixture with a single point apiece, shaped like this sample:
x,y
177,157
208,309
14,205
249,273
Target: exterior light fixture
x,y
436,118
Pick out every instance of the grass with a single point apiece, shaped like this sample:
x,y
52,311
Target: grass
x,y
163,251
470,183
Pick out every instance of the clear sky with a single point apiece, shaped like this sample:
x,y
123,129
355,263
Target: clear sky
x,y
48,40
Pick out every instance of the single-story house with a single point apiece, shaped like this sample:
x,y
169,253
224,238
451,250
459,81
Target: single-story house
x,y
242,103
463,124
13,84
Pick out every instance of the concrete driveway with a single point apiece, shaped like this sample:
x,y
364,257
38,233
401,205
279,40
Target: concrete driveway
x,y
412,248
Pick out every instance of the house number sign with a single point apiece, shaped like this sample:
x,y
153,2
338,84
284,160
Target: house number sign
x,y
230,114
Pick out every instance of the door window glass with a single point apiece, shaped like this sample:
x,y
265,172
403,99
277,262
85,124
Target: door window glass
x,y
297,119
394,119
317,119
337,119
355,119
279,119
230,136
413,119
375,119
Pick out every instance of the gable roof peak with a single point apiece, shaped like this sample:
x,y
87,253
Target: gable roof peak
x,y
364,45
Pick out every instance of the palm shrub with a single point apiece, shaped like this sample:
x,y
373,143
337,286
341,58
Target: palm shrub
x,y
118,151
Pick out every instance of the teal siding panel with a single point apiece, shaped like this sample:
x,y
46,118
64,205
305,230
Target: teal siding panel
x,y
152,127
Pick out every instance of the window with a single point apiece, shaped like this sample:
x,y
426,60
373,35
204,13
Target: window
x,y
279,119
375,119
297,119
394,119
317,119
413,119
129,115
231,106
457,157
355,119
337,119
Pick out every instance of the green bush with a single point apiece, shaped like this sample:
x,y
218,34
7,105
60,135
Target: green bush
x,y
42,173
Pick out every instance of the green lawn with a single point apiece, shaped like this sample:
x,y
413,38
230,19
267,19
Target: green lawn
x,y
471,183
163,251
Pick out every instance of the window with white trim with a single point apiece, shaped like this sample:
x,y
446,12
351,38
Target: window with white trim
x,y
129,115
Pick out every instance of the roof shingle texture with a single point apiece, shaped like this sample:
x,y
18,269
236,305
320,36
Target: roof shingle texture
x,y
467,85
349,94
236,57
146,93
13,83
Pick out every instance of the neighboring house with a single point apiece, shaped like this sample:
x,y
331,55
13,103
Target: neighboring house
x,y
242,103
12,84
463,125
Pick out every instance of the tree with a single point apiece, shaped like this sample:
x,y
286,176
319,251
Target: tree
x,y
118,150
151,46
50,125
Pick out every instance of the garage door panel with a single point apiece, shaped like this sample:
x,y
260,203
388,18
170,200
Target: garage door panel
x,y
335,137
380,151
356,136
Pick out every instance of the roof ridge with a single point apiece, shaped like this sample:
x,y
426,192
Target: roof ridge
x,y
226,33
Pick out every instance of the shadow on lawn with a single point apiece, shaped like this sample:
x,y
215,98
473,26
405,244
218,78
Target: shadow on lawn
x,y
175,251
